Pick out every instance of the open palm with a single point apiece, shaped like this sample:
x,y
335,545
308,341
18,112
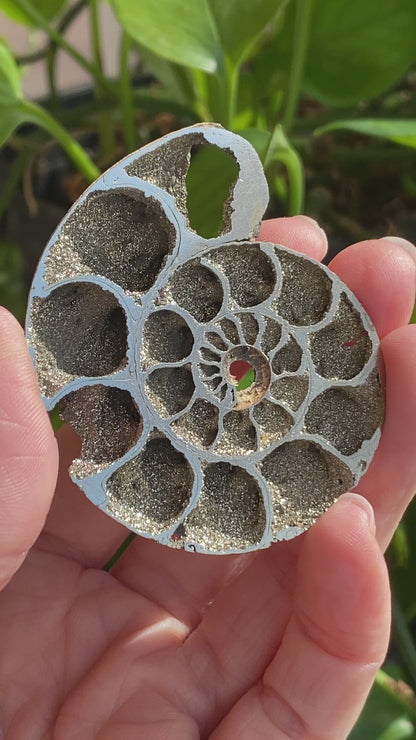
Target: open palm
x,y
283,643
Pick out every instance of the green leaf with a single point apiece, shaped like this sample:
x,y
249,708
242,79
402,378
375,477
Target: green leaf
x,y
385,715
402,563
9,120
14,110
173,77
196,34
400,729
356,50
182,31
10,94
48,8
401,131
239,22
10,89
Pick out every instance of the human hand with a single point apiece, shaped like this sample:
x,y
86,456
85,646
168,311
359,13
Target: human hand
x,y
281,643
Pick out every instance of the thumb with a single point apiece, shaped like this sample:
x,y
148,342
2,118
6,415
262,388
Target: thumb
x,y
28,451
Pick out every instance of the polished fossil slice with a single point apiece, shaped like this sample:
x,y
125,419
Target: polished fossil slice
x,y
226,391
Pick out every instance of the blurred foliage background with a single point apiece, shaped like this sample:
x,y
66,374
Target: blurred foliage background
x,y
324,90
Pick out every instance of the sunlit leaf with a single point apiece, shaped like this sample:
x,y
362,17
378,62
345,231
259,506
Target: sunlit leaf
x,y
10,94
10,89
239,22
401,131
182,31
197,34
48,8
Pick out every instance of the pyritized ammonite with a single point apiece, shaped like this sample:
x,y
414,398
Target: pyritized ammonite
x,y
226,391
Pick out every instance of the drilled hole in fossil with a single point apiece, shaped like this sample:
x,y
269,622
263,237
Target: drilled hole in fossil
x,y
306,291
230,511
120,234
166,338
79,329
150,492
347,416
288,358
341,349
208,195
249,270
196,289
255,380
199,426
304,479
170,389
107,421
243,373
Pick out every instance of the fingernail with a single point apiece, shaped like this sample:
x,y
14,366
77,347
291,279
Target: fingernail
x,y
364,505
403,243
316,226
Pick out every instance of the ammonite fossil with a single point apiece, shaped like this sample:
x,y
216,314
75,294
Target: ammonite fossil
x,y
139,328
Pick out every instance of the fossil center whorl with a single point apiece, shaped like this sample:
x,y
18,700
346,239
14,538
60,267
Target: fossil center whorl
x,y
250,357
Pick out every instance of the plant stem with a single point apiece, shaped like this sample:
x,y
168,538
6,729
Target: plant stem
x,y
12,182
388,684
118,553
52,50
95,36
63,24
300,45
40,21
403,640
294,167
51,72
201,85
75,152
104,122
126,94
280,150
